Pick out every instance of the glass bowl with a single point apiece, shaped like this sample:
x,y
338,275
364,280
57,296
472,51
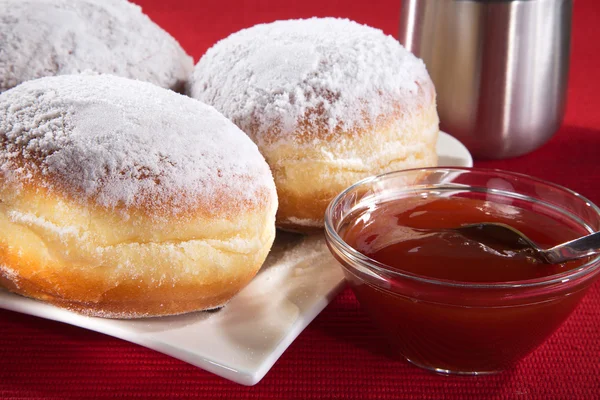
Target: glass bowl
x,y
453,326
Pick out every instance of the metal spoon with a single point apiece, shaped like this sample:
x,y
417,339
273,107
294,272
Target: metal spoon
x,y
504,237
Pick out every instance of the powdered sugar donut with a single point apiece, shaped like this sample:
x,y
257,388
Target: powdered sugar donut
x,y
56,37
122,199
328,101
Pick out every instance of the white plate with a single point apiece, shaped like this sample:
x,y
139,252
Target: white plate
x,y
242,341
452,153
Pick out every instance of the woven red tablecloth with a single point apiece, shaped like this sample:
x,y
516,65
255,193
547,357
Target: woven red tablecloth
x,y
338,355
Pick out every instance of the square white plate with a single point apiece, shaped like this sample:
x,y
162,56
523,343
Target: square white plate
x,y
242,341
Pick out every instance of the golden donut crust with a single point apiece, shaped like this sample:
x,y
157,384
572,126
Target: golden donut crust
x,y
92,262
311,172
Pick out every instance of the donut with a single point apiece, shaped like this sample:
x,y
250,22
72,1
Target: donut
x,y
56,37
328,102
122,199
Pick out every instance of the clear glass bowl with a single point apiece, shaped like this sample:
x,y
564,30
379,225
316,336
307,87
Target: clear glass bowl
x,y
460,327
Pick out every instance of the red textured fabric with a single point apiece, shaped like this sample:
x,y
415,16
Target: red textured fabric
x,y
338,355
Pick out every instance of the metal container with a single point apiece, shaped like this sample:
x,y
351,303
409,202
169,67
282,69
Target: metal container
x,y
500,68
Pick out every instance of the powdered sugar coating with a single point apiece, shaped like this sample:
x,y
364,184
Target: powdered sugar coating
x,y
128,144
332,74
55,37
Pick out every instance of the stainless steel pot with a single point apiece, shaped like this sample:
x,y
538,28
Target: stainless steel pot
x,y
499,66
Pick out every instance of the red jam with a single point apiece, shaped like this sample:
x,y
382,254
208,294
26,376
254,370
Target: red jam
x,y
458,329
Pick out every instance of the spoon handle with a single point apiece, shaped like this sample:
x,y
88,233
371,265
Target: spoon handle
x,y
578,248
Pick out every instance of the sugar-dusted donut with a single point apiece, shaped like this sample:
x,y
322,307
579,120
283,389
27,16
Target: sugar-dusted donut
x,y
122,199
55,37
328,102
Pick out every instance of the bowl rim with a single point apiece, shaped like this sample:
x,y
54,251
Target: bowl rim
x,y
339,244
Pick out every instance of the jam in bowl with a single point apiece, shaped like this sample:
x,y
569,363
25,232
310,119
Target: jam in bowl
x,y
449,303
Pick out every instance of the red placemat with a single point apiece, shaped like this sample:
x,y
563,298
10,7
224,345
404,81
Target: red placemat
x,y
338,355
